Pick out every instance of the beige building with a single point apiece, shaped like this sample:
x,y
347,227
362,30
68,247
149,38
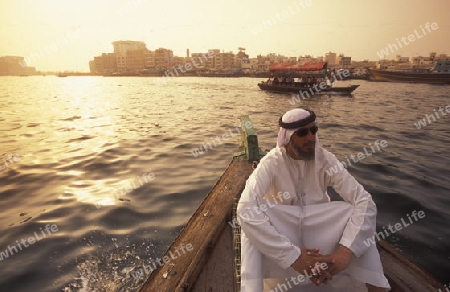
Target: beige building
x,y
176,61
163,59
400,59
211,62
422,60
198,60
441,57
15,65
343,61
124,46
364,64
149,59
136,60
224,61
130,55
330,58
106,63
241,60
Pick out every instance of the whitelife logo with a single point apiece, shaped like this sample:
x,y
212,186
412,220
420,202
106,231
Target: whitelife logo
x,y
280,17
398,226
300,278
411,38
423,122
206,145
356,158
11,250
279,199
179,251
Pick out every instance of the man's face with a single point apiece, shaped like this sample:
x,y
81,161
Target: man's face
x,y
303,142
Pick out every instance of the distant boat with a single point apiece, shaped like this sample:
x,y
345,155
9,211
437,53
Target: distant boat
x,y
228,74
344,90
439,74
62,75
314,79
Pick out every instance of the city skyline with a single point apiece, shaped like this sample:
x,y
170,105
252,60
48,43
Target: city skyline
x,y
67,35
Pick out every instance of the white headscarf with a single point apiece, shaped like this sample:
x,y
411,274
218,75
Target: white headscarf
x,y
294,115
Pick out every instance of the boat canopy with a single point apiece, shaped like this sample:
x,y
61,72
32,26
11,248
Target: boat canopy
x,y
305,66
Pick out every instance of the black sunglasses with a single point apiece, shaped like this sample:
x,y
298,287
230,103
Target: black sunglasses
x,y
304,131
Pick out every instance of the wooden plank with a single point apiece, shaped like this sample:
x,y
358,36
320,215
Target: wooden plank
x,y
202,232
404,275
218,273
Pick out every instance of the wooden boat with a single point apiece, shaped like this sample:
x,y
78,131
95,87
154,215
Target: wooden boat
x,y
213,263
439,74
306,70
223,74
310,90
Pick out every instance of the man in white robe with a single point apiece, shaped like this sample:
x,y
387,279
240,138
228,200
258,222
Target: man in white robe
x,y
293,237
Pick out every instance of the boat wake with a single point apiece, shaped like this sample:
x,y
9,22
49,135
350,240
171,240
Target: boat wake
x,y
110,270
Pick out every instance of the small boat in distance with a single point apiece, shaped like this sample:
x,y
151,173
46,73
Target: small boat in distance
x,y
438,74
310,78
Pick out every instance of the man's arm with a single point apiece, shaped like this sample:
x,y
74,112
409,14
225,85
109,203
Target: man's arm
x,y
362,223
256,224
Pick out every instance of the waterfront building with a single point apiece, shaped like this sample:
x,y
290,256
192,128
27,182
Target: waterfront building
x,y
241,60
130,55
163,59
15,65
422,60
330,58
106,63
149,59
401,59
343,61
224,61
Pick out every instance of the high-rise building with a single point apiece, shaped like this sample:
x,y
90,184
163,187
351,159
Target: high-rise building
x,y
343,61
163,59
224,61
150,59
15,65
241,59
124,46
130,55
106,63
330,58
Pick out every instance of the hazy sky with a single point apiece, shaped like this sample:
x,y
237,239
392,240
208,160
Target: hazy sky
x,y
80,30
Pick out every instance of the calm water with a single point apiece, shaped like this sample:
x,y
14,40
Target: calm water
x,y
80,140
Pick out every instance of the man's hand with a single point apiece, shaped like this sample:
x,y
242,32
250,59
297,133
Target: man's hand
x,y
339,260
307,263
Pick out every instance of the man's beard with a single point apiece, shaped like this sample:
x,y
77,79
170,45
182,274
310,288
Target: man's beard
x,y
301,153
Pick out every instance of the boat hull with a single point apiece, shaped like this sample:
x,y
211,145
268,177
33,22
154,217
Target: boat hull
x,y
309,90
409,77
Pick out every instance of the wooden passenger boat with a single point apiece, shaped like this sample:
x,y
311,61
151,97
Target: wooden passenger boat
x,y
345,90
306,70
213,264
409,77
438,74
